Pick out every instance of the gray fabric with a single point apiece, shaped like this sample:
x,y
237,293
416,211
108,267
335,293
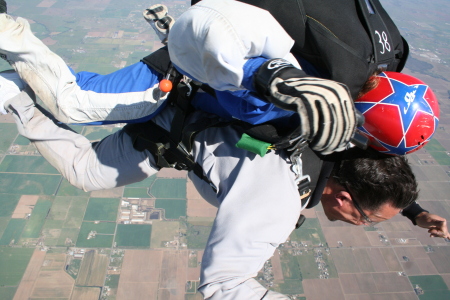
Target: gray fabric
x,y
257,198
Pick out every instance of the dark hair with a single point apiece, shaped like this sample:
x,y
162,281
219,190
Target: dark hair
x,y
375,178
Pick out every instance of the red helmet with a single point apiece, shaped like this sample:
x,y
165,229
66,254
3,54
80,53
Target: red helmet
x,y
401,114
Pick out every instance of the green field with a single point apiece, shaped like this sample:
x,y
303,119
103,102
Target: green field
x,y
29,184
102,209
27,164
60,208
76,212
163,231
68,233
174,209
433,286
9,133
434,145
21,141
429,282
13,231
164,188
103,239
144,183
197,236
310,231
291,287
3,224
7,293
13,262
8,203
66,189
37,219
136,193
441,157
112,281
133,235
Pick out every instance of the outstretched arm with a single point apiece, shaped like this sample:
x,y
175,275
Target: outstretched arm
x,y
436,225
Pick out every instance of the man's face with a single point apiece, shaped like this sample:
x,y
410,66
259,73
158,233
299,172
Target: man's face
x,y
350,214
338,204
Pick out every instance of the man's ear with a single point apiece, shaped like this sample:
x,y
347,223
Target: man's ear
x,y
342,198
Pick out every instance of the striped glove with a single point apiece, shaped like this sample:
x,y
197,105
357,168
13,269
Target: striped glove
x,y
326,110
156,15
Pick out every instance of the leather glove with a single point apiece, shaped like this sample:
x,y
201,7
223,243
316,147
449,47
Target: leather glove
x,y
327,113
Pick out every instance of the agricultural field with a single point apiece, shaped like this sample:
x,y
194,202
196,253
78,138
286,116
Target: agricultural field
x,y
37,219
163,188
133,235
173,208
101,209
93,269
13,262
96,235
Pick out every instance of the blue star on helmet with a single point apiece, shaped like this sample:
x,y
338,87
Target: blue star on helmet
x,y
409,99
400,149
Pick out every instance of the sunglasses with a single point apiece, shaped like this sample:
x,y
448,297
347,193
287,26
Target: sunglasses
x,y
365,218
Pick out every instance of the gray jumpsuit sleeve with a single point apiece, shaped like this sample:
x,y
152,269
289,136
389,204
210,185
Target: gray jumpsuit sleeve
x,y
258,207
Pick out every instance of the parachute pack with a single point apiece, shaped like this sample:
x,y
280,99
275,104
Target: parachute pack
x,y
345,40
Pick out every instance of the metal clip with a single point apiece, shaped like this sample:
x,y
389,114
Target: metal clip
x,y
297,168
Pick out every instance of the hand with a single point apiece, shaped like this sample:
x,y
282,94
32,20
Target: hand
x,y
436,225
156,15
326,110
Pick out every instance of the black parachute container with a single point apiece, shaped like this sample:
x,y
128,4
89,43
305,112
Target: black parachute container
x,y
346,39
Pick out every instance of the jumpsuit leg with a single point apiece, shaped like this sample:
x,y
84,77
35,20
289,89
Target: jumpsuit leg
x,y
54,83
110,163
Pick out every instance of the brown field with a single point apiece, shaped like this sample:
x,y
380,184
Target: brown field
x,y
111,193
93,269
377,260
357,283
196,205
276,267
391,259
148,274
374,238
25,206
46,3
391,282
363,260
350,236
440,259
49,41
320,289
344,260
309,213
86,293
397,226
52,284
6,118
171,173
31,274
193,274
